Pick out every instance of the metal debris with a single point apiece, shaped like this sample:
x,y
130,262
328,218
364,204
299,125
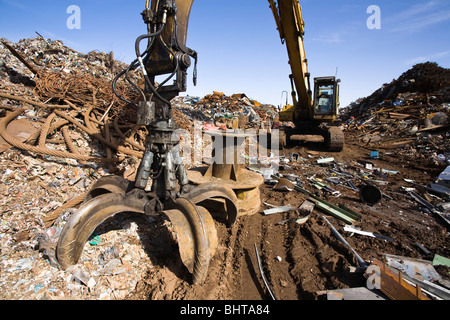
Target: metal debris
x,y
361,262
266,283
352,229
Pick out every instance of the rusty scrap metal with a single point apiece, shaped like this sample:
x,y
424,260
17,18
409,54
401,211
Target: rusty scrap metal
x,y
231,172
20,57
346,215
395,287
81,90
24,146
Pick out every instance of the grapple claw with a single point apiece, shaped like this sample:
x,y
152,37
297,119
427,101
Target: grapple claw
x,y
196,235
90,215
108,184
213,191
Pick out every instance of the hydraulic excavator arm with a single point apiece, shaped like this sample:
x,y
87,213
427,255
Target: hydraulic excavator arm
x,y
166,54
308,111
170,192
291,26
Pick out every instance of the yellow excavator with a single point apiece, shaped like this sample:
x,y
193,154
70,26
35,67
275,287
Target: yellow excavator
x,y
162,186
308,112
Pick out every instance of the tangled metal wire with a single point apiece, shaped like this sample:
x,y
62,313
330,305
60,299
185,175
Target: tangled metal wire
x,y
86,91
94,101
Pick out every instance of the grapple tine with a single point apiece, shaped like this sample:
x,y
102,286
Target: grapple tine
x,y
83,223
108,184
197,236
214,190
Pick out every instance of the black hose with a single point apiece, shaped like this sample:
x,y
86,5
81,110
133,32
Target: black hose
x,y
176,66
146,36
115,91
125,72
139,56
132,67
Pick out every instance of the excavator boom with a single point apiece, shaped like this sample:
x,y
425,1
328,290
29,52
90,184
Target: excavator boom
x,y
291,26
308,111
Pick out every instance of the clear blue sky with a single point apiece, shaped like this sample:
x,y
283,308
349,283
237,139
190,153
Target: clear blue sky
x,y
239,47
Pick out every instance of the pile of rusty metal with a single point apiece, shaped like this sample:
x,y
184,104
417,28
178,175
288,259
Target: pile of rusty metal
x,y
66,101
233,112
410,115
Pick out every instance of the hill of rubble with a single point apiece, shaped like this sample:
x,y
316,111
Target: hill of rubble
x,y
410,116
425,86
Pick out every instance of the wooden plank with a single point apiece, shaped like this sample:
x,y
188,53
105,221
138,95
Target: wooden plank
x,y
395,287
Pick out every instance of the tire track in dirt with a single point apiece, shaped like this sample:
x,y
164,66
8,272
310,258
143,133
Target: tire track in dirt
x,y
270,242
243,282
275,244
222,270
307,266
222,282
325,260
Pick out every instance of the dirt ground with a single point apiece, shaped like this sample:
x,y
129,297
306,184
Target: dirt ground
x,y
137,257
301,260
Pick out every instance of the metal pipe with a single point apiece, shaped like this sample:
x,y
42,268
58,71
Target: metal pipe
x,y
361,262
262,274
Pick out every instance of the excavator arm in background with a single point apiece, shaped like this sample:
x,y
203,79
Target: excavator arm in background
x,y
291,26
308,111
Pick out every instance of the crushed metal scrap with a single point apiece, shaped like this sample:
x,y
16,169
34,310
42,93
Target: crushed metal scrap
x,y
63,129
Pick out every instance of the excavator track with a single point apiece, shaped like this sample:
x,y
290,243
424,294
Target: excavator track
x,y
335,139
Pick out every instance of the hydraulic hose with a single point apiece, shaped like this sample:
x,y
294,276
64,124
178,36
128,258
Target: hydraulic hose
x,y
176,66
139,58
115,91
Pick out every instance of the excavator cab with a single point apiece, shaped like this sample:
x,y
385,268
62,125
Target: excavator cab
x,y
326,98
325,104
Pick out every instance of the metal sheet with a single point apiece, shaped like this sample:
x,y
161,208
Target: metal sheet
x,y
414,268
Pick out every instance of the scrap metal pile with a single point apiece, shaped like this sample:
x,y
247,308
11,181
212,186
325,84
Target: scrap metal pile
x,y
62,129
219,111
409,116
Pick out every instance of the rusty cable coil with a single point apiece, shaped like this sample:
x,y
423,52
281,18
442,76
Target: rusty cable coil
x,y
90,127
80,90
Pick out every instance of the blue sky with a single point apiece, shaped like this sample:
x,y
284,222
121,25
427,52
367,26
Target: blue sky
x,y
239,47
